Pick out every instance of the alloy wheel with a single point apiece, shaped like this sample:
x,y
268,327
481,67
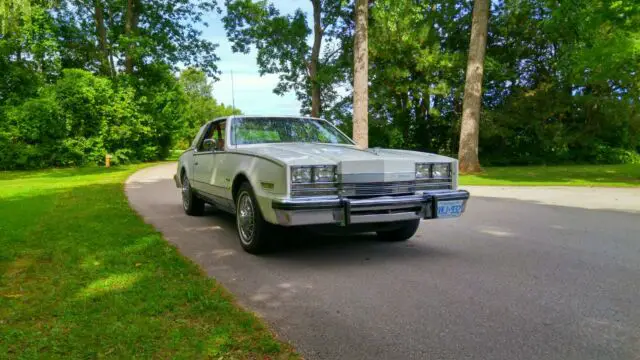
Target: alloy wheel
x,y
186,192
246,218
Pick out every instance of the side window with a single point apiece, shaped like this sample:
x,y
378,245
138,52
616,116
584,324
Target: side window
x,y
220,135
203,144
213,138
196,140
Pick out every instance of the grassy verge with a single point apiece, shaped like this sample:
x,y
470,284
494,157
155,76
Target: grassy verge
x,y
83,277
174,155
572,175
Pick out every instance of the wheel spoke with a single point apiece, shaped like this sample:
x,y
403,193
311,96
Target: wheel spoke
x,y
185,193
246,220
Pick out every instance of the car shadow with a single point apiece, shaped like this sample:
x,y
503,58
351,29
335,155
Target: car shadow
x,y
290,246
305,245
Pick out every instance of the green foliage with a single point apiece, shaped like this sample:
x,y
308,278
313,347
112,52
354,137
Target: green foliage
x,y
561,81
80,80
561,78
199,107
280,41
282,48
83,117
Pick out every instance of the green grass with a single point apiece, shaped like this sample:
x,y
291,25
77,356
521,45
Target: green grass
x,y
571,175
82,276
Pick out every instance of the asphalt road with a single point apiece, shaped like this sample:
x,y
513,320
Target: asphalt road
x,y
509,280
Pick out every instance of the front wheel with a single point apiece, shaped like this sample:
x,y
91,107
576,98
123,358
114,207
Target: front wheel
x,y
402,233
191,203
250,224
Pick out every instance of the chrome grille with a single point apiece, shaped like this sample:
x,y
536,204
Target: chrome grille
x,y
369,189
391,188
321,189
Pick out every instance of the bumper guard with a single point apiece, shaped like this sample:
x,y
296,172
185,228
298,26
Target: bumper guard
x,y
345,211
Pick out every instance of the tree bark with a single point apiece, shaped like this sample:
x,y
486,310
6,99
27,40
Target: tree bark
x,y
315,59
470,126
101,32
131,23
361,76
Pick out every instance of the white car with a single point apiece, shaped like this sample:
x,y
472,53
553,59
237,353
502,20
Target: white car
x,y
300,171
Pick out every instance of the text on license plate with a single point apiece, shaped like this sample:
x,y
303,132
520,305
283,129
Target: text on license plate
x,y
450,208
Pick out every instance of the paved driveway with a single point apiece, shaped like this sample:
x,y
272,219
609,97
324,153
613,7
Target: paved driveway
x,y
510,280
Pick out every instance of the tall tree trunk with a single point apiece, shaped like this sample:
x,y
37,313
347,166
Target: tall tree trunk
x,y
112,64
131,23
101,32
315,59
470,126
361,76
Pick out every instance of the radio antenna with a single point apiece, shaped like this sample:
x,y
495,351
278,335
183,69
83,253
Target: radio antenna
x,y
233,95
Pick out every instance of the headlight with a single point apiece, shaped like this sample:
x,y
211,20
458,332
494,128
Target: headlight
x,y
423,171
441,171
313,174
301,175
324,174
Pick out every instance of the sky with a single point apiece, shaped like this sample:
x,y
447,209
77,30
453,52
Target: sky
x,y
253,93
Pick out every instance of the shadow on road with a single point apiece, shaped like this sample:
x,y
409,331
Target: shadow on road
x,y
304,245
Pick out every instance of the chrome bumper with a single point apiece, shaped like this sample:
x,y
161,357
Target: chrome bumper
x,y
343,211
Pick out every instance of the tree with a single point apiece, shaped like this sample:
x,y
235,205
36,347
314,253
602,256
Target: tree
x,y
82,78
199,105
101,33
131,35
281,43
470,127
361,76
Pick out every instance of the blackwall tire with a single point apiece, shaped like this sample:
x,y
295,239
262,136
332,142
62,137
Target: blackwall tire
x,y
191,203
251,226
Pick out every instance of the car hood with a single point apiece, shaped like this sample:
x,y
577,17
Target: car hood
x,y
348,158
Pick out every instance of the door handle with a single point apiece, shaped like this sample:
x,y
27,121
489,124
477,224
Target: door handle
x,y
195,163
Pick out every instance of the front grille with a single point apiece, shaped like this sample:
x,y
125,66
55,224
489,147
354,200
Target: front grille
x,y
377,189
392,188
322,189
369,189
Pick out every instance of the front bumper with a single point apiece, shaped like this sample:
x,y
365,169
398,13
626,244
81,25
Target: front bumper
x,y
343,211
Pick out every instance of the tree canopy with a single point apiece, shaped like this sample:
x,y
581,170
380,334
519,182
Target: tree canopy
x,y
561,81
81,79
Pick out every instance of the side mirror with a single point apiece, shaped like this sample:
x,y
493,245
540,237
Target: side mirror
x,y
209,145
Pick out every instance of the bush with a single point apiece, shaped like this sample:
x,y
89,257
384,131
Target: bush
x,y
83,117
608,155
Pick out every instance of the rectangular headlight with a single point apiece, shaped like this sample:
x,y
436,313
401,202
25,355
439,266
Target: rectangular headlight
x,y
324,174
423,171
313,174
301,175
441,171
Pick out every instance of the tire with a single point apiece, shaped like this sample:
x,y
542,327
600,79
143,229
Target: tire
x,y
251,226
402,233
191,203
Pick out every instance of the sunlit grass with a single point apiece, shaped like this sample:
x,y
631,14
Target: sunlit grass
x,y
570,175
82,276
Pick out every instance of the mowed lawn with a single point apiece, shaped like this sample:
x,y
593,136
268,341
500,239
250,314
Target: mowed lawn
x,y
571,175
83,277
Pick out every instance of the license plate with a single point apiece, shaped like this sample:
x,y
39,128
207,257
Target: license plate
x,y
450,208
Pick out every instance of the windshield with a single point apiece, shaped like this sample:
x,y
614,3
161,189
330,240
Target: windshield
x,y
284,130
